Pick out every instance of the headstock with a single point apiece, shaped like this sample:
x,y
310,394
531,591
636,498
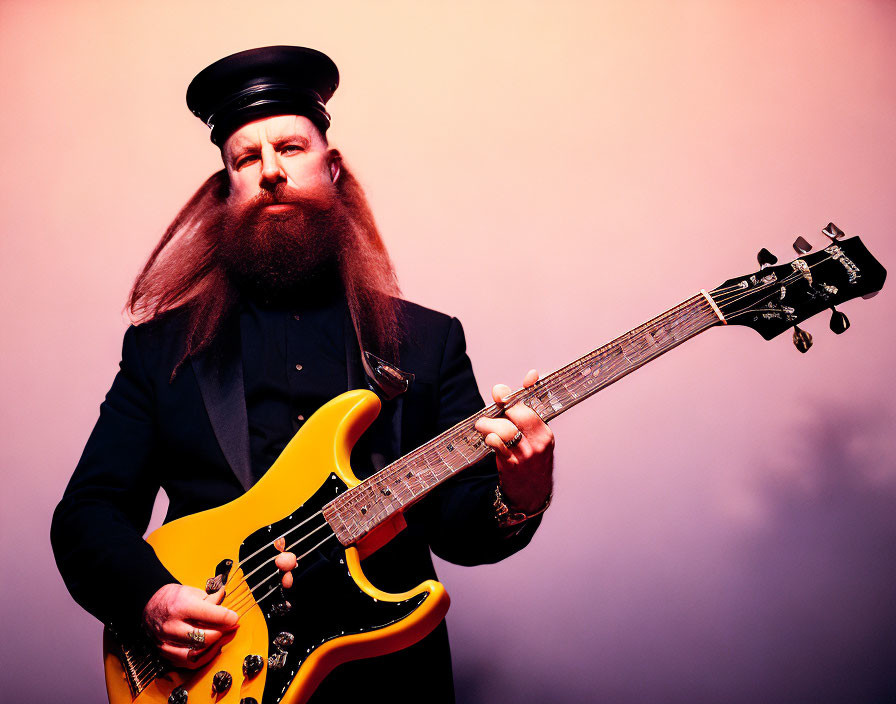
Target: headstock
x,y
777,298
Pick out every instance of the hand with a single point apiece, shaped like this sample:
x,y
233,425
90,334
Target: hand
x,y
525,471
176,610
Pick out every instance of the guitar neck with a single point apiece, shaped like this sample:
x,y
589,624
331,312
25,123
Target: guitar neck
x,y
397,486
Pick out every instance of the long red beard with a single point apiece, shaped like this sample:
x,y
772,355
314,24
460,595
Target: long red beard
x,y
272,256
212,255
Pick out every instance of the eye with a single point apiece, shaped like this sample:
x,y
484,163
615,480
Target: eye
x,y
244,160
292,149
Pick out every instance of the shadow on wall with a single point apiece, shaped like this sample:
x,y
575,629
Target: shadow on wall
x,y
806,609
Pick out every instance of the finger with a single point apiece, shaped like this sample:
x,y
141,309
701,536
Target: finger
x,y
530,378
177,633
285,561
215,597
500,392
208,613
527,420
494,441
184,657
502,427
286,580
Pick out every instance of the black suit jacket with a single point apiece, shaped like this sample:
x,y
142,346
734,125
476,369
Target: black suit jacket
x,y
190,437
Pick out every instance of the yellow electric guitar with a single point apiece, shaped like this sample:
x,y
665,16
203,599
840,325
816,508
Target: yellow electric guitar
x,y
311,504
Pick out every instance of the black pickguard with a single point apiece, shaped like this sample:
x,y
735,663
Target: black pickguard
x,y
324,602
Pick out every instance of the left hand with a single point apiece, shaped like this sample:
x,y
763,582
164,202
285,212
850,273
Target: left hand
x,y
525,471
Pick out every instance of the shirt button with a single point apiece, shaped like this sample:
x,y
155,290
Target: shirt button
x,y
300,418
298,367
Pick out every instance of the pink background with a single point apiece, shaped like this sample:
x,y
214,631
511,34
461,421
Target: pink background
x,y
553,174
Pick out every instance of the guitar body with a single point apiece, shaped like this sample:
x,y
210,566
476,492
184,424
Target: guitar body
x,y
331,615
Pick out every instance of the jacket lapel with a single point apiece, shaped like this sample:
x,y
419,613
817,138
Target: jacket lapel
x,y
220,378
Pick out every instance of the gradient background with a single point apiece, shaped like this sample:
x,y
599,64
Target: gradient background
x,y
723,527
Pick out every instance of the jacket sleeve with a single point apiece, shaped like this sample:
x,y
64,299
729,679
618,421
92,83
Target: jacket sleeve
x,y
460,516
98,526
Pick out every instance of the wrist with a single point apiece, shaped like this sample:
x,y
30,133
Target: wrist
x,y
508,515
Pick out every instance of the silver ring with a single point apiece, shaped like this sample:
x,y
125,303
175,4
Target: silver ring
x,y
197,636
515,439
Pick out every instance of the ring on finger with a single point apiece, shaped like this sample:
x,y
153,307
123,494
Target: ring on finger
x,y
196,636
515,439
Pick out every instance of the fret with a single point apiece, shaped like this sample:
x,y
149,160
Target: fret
x,y
362,508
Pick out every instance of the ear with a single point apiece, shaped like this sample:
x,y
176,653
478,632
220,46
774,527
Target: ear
x,y
334,162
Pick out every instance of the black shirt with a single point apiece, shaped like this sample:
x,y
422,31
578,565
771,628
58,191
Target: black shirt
x,y
293,363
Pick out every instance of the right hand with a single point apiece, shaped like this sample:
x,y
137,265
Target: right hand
x,y
175,610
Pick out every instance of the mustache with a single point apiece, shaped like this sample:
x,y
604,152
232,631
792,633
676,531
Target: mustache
x,y
279,195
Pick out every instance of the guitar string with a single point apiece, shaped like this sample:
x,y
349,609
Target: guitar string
x,y
244,560
564,375
494,410
428,453
433,455
242,602
792,276
736,293
690,324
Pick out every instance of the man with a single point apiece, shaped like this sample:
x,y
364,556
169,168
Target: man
x,y
270,293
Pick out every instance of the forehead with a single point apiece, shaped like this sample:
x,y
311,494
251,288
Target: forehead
x,y
273,129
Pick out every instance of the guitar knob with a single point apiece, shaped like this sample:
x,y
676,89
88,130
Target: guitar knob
x,y
766,258
178,696
801,339
832,231
252,665
248,700
221,681
284,640
801,245
839,322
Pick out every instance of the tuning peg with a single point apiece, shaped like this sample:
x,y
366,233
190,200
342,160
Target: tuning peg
x,y
801,245
801,339
839,322
832,231
766,258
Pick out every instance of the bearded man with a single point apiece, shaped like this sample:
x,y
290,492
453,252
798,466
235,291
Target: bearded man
x,y
269,294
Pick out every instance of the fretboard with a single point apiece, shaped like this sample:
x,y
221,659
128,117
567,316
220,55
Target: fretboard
x,y
397,486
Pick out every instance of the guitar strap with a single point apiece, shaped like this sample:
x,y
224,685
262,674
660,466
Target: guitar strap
x,y
387,381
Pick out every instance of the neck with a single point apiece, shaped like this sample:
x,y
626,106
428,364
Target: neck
x,y
359,510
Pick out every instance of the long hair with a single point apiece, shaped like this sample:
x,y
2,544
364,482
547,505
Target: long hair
x,y
183,272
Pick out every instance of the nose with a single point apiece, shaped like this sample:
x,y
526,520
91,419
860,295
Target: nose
x,y
270,167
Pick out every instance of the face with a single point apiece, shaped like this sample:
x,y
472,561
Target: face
x,y
285,155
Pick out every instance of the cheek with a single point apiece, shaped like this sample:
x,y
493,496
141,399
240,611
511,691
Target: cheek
x,y
241,189
309,174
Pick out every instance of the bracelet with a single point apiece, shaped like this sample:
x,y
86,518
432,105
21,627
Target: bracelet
x,y
507,518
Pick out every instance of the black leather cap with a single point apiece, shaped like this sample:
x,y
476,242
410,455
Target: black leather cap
x,y
258,83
